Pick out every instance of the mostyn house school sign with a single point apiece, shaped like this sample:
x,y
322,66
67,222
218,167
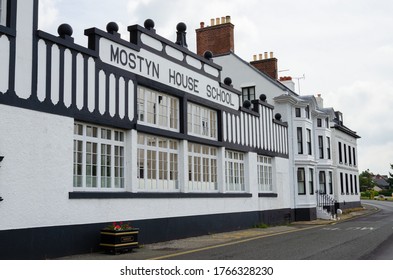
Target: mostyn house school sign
x,y
158,68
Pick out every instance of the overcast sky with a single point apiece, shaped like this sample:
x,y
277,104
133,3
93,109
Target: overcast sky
x,y
343,48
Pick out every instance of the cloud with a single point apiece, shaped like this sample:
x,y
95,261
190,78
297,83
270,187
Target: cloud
x,y
48,13
377,158
346,53
366,105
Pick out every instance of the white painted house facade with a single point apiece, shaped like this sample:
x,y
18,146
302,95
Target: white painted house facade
x,y
139,130
323,166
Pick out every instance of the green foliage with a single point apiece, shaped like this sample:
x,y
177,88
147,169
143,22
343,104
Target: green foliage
x,y
369,194
262,225
365,179
386,193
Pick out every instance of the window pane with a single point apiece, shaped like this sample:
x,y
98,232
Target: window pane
x,y
98,163
202,121
300,181
235,171
157,108
158,163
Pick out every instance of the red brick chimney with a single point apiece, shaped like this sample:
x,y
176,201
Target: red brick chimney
x,y
267,65
217,38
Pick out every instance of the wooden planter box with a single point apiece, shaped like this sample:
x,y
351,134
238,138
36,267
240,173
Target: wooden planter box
x,y
115,241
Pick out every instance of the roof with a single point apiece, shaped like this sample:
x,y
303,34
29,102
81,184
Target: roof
x,y
380,182
273,81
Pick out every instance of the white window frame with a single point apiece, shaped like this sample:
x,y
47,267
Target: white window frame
x,y
309,143
3,12
299,137
311,181
265,174
93,146
322,182
301,181
157,164
202,168
201,121
328,148
320,147
157,109
330,182
234,171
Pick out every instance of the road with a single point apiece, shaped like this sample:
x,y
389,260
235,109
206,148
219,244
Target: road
x,y
366,237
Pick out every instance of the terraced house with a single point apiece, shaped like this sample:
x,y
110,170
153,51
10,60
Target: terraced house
x,y
145,131
323,162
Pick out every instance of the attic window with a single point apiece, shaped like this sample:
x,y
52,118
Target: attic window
x,y
248,93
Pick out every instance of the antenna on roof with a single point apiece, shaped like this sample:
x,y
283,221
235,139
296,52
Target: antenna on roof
x,y
298,80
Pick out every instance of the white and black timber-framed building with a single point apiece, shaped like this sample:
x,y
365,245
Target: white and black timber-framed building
x,y
140,130
323,160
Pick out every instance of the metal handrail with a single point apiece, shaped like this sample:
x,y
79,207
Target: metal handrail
x,y
326,201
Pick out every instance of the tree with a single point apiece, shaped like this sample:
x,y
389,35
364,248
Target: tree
x,y
390,179
366,180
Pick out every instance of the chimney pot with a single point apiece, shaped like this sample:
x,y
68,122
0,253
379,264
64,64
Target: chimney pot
x,y
254,57
267,66
228,19
219,39
202,24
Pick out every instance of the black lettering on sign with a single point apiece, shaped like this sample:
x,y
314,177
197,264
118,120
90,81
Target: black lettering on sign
x,y
184,81
129,59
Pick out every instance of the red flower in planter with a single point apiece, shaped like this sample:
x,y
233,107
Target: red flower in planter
x,y
119,226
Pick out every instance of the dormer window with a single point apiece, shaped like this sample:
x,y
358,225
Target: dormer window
x,y
308,112
339,118
248,93
3,12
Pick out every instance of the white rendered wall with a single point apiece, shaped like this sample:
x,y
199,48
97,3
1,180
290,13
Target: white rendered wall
x,y
34,175
339,136
243,75
37,171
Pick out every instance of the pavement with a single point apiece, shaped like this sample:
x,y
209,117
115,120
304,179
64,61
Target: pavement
x,y
178,247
